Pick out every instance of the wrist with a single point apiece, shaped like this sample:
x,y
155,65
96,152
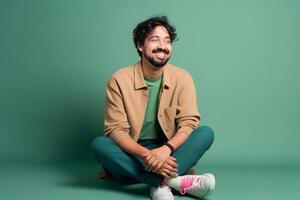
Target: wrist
x,y
170,147
166,149
144,153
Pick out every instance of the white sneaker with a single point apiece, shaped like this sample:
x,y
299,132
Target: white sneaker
x,y
162,192
197,185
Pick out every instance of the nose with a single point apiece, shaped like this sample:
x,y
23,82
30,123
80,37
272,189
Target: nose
x,y
160,44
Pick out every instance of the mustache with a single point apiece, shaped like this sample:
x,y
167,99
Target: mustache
x,y
166,51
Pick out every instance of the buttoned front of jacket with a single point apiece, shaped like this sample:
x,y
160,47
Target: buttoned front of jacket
x,y
126,103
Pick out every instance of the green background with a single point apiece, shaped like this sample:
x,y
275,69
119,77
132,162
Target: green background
x,y
56,57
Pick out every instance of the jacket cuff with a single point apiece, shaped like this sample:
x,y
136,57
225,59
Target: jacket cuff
x,y
118,136
188,130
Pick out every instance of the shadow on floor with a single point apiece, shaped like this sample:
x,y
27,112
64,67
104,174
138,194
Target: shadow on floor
x,y
84,176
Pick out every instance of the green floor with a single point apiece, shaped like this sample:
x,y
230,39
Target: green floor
x,y
76,181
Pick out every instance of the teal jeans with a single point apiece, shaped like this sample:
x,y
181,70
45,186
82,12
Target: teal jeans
x,y
130,168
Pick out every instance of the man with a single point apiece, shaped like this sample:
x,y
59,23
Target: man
x,y
151,120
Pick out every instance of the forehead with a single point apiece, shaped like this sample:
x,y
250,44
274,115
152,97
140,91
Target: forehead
x,y
159,31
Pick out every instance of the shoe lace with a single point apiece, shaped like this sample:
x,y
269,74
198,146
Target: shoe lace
x,y
190,183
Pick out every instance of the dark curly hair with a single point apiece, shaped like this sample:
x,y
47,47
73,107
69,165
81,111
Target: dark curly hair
x,y
143,29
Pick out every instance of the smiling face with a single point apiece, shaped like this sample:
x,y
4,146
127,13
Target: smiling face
x,y
157,48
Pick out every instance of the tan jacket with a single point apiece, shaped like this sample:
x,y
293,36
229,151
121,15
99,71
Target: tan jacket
x,y
126,103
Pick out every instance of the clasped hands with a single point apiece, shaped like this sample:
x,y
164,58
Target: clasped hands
x,y
160,161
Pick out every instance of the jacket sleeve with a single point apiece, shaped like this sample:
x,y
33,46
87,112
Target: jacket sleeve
x,y
115,119
187,117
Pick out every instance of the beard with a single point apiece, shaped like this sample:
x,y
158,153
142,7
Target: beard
x,y
157,62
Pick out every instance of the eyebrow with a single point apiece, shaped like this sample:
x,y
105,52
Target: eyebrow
x,y
156,36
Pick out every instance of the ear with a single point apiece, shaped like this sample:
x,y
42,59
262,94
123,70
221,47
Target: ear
x,y
140,47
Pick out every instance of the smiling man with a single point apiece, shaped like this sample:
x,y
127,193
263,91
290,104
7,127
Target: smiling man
x,y
152,132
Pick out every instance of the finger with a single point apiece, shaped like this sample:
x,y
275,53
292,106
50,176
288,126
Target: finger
x,y
153,165
148,157
165,175
169,167
149,163
173,158
173,174
146,165
158,166
146,162
170,173
172,163
171,170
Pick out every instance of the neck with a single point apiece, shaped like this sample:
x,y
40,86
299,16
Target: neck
x,y
151,71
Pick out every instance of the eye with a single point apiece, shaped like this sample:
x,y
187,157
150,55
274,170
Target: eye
x,y
167,40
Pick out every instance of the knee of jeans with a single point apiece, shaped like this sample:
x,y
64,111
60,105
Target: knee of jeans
x,y
210,134
98,145
207,133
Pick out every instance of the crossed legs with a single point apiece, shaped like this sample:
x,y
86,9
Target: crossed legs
x,y
127,167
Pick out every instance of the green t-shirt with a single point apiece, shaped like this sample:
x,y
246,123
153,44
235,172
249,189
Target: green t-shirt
x,y
151,128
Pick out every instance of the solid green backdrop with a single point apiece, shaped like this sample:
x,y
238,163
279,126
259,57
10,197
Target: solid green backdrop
x,y
56,57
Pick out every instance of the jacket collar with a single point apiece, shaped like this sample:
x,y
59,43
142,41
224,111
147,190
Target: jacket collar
x,y
139,77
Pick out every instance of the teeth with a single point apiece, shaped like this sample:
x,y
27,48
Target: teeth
x,y
160,55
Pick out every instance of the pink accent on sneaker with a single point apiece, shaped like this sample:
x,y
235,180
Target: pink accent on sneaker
x,y
189,183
